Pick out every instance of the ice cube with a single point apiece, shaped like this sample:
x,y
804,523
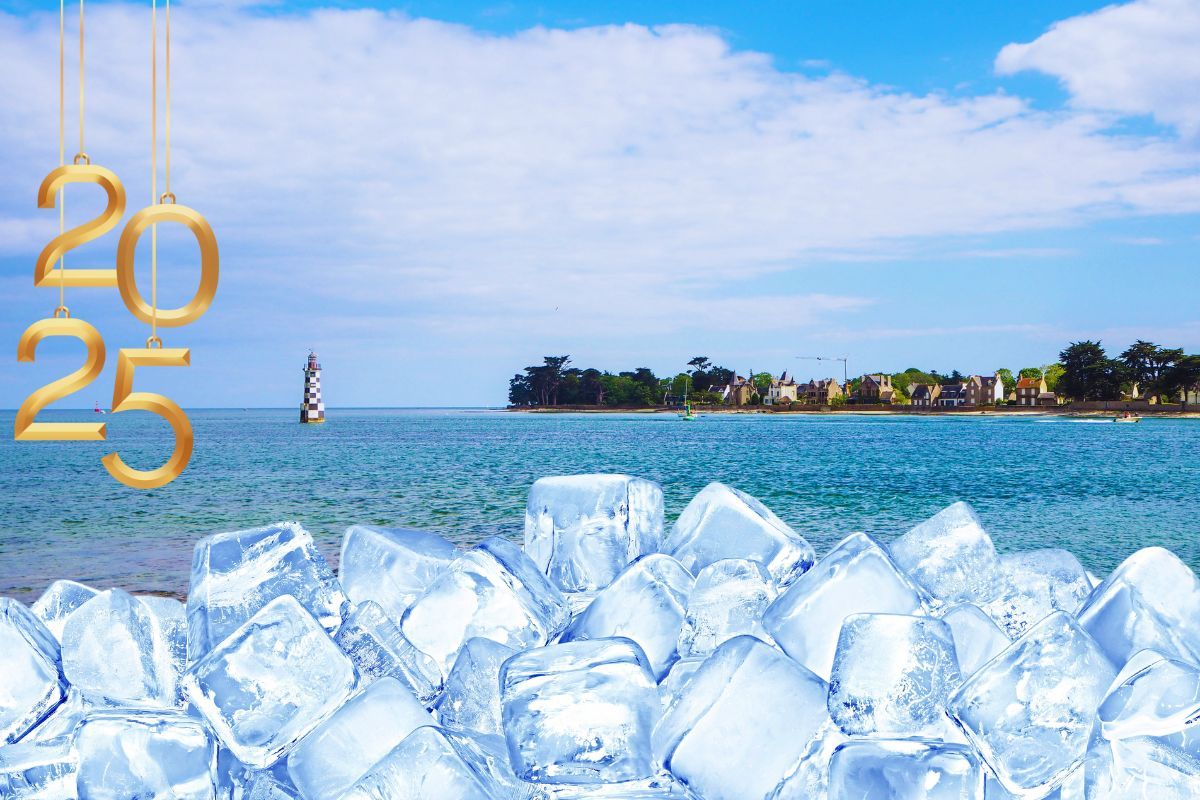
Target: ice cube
x,y
727,600
810,779
436,764
1158,700
950,555
892,675
1032,585
112,652
493,590
1141,768
856,577
63,720
670,687
147,754
31,684
471,699
721,522
646,604
57,603
236,574
1150,602
1030,710
378,649
38,770
977,639
344,747
236,781
911,768
168,619
660,787
273,680
743,723
582,530
391,566
580,712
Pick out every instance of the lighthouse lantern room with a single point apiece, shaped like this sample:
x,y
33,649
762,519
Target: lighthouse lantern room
x,y
312,409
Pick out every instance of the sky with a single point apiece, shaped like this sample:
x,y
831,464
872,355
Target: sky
x,y
433,195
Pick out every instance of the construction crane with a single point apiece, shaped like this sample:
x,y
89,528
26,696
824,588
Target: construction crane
x,y
845,364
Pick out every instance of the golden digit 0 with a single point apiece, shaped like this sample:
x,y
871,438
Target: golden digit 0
x,y
44,274
25,428
125,399
209,264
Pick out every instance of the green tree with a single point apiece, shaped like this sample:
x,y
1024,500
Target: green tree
x,y
1009,381
1053,374
1183,375
762,381
1088,372
1147,364
1031,372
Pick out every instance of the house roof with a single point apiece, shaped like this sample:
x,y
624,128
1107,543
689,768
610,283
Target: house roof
x,y
1029,383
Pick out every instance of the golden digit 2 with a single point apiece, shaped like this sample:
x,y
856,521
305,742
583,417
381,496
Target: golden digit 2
x,y
209,264
25,428
125,399
44,274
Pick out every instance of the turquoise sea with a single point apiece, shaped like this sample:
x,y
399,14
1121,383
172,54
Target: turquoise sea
x,y
1098,489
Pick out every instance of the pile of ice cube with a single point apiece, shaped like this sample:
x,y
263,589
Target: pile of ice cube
x,y
721,661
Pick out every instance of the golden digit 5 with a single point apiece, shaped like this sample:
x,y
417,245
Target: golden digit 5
x,y
125,399
209,264
45,274
25,428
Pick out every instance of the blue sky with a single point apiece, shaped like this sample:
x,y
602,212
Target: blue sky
x,y
434,194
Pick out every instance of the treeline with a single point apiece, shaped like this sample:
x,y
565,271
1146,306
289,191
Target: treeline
x,y
555,383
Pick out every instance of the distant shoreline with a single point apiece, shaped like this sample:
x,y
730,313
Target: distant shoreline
x,y
1009,411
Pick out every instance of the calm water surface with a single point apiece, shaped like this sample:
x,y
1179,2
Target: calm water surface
x,y
1098,489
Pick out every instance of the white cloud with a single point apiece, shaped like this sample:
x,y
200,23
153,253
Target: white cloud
x,y
1137,58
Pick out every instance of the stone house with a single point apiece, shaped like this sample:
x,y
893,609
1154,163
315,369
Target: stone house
x,y
952,396
925,395
782,389
822,392
984,390
876,389
1029,390
738,392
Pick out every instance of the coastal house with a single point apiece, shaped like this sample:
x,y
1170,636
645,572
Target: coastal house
x,y
1029,390
1049,399
925,395
822,392
738,392
984,390
782,389
952,395
876,389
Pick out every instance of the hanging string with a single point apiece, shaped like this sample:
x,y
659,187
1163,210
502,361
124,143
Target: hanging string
x,y
167,143
62,145
81,148
154,199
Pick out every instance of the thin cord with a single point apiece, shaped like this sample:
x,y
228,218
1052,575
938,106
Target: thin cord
x,y
81,148
168,76
154,165
62,140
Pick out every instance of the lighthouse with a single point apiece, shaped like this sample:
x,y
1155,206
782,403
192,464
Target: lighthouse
x,y
312,409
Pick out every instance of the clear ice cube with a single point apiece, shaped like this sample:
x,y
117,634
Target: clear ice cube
x,y
1033,584
38,770
670,687
856,577
273,680
169,628
146,755
235,574
977,639
1150,602
1160,699
331,759
722,522
57,603
493,590
902,769
646,604
436,764
582,530
727,600
660,787
950,555
378,649
1030,710
391,566
580,712
471,699
31,684
1140,768
743,723
892,675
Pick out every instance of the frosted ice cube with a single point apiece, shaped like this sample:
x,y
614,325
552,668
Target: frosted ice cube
x,y
1032,585
436,764
892,675
63,720
1150,602
721,522
144,754
57,603
168,619
660,787
38,770
582,530
1158,700
31,685
810,779
331,759
391,566
929,770
670,687
580,712
235,574
646,604
743,723
493,590
1141,768
855,577
273,680
378,649
950,555
236,781
727,600
1030,710
977,639
112,652
471,699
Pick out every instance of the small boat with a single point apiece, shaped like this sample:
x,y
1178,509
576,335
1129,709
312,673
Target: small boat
x,y
1127,417
98,409
688,414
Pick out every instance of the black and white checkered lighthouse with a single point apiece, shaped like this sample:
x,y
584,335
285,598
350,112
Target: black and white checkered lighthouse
x,y
313,408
